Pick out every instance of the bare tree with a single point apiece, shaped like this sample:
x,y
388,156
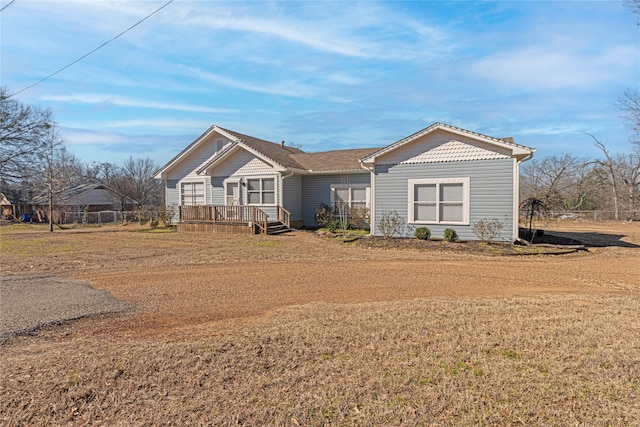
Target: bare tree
x,y
24,136
629,105
634,5
139,184
628,167
609,169
101,172
562,182
47,163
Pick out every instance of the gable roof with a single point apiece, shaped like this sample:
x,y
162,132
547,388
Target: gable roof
x,y
13,197
288,158
158,174
4,200
278,153
74,191
517,150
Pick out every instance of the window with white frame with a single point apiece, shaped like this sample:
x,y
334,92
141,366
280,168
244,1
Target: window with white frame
x,y
439,201
192,193
345,197
261,191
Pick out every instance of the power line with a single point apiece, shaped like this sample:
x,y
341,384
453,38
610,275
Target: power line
x,y
89,53
8,4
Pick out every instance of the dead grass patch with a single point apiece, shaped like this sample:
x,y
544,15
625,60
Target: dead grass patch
x,y
541,360
297,330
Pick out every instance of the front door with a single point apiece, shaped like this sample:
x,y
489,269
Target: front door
x,y
233,194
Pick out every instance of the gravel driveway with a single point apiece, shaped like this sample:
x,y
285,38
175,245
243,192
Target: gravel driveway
x,y
28,303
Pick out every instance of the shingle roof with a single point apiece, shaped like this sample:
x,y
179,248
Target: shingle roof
x,y
327,161
71,192
336,160
271,150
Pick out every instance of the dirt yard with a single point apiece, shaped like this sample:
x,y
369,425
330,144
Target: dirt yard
x,y
298,330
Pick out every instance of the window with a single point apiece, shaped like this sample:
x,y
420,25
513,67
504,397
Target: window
x,y
348,196
192,193
261,191
435,201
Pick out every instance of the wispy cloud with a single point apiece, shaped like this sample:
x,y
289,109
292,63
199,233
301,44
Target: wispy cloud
x,y
161,123
541,67
82,137
289,87
126,102
361,30
323,74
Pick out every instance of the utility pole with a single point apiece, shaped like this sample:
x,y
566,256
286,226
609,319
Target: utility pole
x,y
51,137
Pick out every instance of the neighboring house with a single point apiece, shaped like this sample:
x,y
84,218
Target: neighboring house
x,y
82,198
440,177
14,203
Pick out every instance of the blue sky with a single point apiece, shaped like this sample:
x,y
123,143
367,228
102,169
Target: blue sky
x,y
324,74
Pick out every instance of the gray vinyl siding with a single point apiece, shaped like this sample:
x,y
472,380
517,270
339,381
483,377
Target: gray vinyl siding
x,y
216,191
172,195
491,193
316,189
292,196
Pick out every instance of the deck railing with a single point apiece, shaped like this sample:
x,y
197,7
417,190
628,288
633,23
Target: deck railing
x,y
284,216
225,214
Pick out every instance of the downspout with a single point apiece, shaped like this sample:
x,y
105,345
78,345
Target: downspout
x,y
282,178
372,212
516,196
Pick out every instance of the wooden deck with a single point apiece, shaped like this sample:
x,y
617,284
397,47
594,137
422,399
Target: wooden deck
x,y
224,219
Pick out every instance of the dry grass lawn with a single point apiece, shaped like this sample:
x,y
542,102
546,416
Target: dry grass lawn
x,y
296,330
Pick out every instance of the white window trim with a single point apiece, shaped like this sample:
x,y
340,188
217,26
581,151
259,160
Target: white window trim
x,y
466,191
193,181
245,186
365,187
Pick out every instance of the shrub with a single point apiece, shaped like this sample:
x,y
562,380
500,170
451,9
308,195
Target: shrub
x,y
391,223
422,233
324,215
334,225
450,235
359,218
488,230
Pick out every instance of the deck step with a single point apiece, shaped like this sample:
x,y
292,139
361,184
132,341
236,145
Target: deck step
x,y
277,227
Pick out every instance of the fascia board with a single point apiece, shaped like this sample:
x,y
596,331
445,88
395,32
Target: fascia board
x,y
234,148
160,173
275,165
333,172
371,158
516,150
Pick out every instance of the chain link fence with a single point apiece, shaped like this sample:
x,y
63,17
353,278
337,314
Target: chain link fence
x,y
110,217
597,215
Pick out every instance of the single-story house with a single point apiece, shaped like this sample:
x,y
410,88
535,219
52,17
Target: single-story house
x,y
440,177
80,198
12,203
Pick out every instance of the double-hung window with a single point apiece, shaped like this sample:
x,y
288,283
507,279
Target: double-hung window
x,y
439,201
261,191
192,193
345,197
